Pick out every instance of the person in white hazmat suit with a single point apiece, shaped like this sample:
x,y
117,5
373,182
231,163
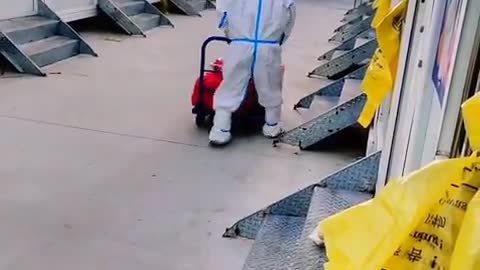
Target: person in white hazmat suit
x,y
258,29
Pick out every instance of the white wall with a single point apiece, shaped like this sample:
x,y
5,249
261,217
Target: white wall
x,y
16,8
69,10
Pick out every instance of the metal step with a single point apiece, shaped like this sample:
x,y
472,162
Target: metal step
x,y
338,118
332,90
210,4
359,73
351,89
31,42
353,31
187,7
135,17
28,29
146,21
332,101
275,244
347,45
359,176
50,50
362,10
132,8
346,61
325,202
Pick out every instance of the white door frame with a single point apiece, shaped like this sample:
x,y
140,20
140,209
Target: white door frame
x,y
415,131
408,49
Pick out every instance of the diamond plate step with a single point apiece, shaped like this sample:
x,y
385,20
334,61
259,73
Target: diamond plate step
x,y
50,50
359,176
359,73
338,118
28,29
353,31
346,61
332,90
325,202
275,243
331,95
351,89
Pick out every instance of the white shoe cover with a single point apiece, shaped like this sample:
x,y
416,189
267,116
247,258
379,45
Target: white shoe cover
x,y
220,133
272,131
219,137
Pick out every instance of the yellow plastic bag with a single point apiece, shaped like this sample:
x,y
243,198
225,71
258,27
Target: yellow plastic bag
x,y
380,76
432,242
382,8
471,116
466,255
389,35
368,235
376,85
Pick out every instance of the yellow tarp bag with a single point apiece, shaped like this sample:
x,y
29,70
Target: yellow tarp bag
x,y
471,116
382,8
432,242
389,35
376,85
368,235
380,76
466,255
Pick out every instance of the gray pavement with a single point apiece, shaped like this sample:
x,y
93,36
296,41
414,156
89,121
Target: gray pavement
x,y
102,166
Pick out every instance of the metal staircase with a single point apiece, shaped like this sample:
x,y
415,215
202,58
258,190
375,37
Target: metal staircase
x,y
281,230
338,105
30,43
135,17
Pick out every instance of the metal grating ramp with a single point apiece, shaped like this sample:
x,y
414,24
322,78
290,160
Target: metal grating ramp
x,y
325,202
275,244
327,111
282,243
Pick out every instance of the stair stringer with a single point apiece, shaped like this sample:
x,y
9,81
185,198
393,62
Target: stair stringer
x,y
186,8
20,60
65,29
150,8
120,18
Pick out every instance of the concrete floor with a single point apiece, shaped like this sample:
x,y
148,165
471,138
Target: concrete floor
x,y
102,166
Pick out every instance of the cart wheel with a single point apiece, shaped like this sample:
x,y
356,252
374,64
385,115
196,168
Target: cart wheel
x,y
200,120
209,119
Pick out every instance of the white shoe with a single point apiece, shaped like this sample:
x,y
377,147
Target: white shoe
x,y
272,131
219,137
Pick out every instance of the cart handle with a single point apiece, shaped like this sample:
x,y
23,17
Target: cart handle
x,y
203,60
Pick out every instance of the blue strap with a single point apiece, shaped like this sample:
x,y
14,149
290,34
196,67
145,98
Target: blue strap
x,y
223,20
254,41
257,34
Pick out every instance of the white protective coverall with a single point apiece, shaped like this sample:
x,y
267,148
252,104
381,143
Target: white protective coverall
x,y
257,28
